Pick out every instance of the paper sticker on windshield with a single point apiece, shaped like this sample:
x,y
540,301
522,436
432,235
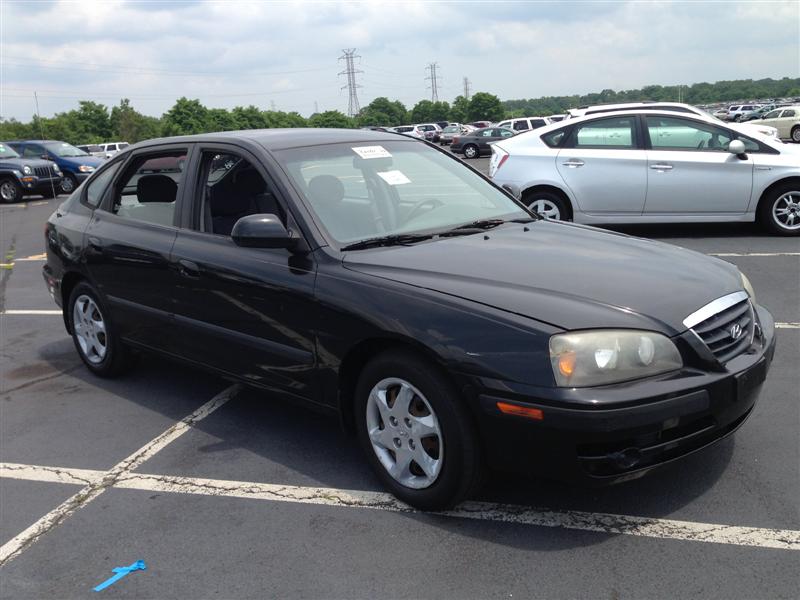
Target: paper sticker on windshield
x,y
394,177
371,152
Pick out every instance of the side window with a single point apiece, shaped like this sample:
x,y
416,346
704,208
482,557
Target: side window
x,y
505,124
505,133
487,133
773,114
33,151
788,113
615,132
149,188
536,123
554,138
232,188
674,133
521,125
98,185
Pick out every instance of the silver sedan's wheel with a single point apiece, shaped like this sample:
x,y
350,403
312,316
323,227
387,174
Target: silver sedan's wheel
x,y
90,329
545,208
471,151
405,433
786,211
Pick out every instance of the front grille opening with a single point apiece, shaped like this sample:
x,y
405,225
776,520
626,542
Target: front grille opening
x,y
729,332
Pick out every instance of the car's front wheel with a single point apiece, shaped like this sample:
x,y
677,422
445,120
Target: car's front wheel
x,y
69,183
471,151
547,204
10,191
796,134
779,212
94,335
415,431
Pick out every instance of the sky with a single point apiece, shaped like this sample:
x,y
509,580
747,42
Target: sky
x,y
286,54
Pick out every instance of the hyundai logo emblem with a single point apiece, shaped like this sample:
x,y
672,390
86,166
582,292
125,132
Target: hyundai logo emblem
x,y
736,331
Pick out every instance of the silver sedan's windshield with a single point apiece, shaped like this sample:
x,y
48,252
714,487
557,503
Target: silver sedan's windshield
x,y
364,190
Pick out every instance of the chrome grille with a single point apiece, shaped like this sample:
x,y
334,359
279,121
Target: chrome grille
x,y
44,171
726,325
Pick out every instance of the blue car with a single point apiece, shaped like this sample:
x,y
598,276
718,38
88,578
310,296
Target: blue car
x,y
75,164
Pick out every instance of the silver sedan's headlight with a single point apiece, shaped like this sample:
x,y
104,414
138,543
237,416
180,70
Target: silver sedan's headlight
x,y
27,170
748,287
589,358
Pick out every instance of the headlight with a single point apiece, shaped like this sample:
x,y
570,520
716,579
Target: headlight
x,y
590,358
85,169
56,168
748,287
27,170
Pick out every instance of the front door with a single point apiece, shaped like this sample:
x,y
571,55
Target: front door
x,y
691,171
246,311
605,167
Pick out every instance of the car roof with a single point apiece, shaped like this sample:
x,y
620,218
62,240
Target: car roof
x,y
276,139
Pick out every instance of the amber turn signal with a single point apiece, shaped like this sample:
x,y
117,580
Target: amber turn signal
x,y
520,411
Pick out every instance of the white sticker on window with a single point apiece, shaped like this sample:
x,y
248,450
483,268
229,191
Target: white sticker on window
x,y
372,152
394,177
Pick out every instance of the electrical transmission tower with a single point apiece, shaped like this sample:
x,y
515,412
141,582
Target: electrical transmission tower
x,y
434,79
352,105
466,88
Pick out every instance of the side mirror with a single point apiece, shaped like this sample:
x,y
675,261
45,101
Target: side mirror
x,y
737,147
265,231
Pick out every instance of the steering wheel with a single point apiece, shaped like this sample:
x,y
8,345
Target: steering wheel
x,y
418,208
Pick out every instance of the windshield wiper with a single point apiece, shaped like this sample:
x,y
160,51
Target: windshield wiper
x,y
388,240
482,225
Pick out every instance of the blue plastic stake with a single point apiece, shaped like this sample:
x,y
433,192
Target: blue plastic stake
x,y
120,573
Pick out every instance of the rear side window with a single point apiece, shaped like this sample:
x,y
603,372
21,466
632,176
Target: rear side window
x,y
99,184
535,123
521,125
554,138
614,132
788,113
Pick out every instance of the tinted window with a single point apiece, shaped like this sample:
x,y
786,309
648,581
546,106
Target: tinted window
x,y
99,184
149,188
537,123
521,125
772,115
604,133
33,150
788,113
554,138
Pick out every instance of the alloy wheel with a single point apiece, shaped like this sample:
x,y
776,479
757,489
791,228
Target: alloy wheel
x,y
67,185
545,208
470,152
796,135
90,329
8,191
786,211
405,433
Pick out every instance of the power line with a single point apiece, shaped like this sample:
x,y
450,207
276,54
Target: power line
x,y
352,103
433,78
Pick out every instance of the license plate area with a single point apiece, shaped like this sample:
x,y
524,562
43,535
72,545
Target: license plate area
x,y
748,381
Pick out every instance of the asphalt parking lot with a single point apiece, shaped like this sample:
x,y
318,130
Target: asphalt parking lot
x,y
226,492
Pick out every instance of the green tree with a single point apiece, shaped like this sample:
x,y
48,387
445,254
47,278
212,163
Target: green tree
x,y
220,119
129,125
485,107
250,117
186,117
422,112
91,121
331,118
459,112
383,112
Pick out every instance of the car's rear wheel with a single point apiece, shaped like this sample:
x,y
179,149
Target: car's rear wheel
x,y
69,183
94,335
471,151
779,212
415,432
796,134
10,191
548,205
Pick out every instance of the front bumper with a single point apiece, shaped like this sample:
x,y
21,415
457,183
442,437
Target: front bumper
x,y
33,184
616,433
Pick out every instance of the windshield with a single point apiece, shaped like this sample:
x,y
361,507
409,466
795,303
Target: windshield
x,y
63,149
452,129
7,152
361,191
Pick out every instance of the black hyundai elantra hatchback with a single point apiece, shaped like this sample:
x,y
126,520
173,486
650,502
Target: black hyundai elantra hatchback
x,y
382,279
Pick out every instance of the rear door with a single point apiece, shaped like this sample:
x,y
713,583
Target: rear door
x,y
604,165
691,171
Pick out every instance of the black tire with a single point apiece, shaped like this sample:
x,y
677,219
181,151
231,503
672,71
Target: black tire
x,y
766,213
117,356
471,151
10,190
461,466
545,197
69,184
796,134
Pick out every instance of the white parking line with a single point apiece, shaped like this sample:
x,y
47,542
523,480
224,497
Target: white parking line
x,y
31,312
714,533
98,482
754,253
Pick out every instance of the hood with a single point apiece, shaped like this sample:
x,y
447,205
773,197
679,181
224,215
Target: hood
x,y
76,161
754,127
18,163
570,276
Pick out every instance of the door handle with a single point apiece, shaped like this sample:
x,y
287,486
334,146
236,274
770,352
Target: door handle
x,y
661,167
574,163
188,269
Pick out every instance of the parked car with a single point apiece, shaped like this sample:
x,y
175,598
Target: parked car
x,y
652,167
448,133
93,149
758,113
447,331
111,148
736,112
22,176
678,107
431,131
524,124
409,130
480,124
478,142
75,165
786,121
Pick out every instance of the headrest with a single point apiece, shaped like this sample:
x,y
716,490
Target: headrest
x,y
324,189
156,188
249,182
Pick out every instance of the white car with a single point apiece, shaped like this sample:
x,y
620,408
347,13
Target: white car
x,y
410,130
111,148
646,166
524,124
737,111
786,120
752,128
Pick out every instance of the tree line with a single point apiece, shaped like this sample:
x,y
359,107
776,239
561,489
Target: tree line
x,y
92,122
